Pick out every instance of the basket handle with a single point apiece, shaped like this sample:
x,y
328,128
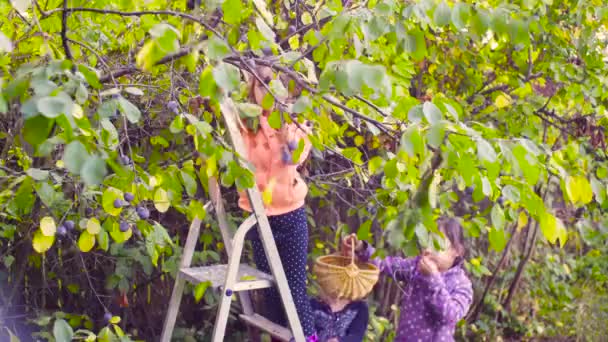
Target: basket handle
x,y
352,246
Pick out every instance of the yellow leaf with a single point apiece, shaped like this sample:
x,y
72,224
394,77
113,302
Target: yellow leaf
x,y
153,182
143,59
553,229
108,198
476,261
77,111
47,226
579,190
117,235
93,226
522,220
294,42
502,101
267,194
161,200
261,7
86,241
42,243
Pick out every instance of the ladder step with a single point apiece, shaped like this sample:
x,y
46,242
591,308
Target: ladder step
x,y
268,326
248,277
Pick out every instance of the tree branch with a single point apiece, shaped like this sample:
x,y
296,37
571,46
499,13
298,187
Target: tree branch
x,y
134,14
306,85
64,31
132,69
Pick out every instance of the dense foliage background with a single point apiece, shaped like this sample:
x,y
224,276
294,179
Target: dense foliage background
x,y
493,111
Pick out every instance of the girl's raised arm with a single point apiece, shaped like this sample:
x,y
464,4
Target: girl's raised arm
x,y
397,267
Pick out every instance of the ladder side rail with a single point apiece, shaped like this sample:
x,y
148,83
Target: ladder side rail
x,y
234,261
230,115
222,219
178,287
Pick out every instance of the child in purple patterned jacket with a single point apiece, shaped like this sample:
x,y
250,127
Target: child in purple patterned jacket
x,y
437,292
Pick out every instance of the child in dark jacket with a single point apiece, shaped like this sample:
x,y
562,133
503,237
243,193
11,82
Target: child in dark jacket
x,y
340,320
437,291
340,316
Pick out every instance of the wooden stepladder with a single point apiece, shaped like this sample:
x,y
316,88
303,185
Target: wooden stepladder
x,y
235,277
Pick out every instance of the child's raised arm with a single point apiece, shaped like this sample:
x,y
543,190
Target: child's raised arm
x,y
450,306
396,267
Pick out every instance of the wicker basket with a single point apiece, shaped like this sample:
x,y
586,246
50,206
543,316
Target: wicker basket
x,y
341,277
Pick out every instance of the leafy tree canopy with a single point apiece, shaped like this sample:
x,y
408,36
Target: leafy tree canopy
x,y
494,111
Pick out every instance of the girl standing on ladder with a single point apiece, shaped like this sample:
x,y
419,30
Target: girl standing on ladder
x,y
271,152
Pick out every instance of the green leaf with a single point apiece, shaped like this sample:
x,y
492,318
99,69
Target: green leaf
x,y
375,164
74,157
511,193
432,113
411,141
363,233
497,239
498,217
106,335
130,110
278,89
249,110
460,15
200,289
47,226
485,151
415,114
442,14
53,106
90,75
264,29
226,76
274,120
217,48
189,183
302,104
415,44
62,331
177,125
233,11
37,174
351,153
161,200
86,241
42,243
207,86
3,105
93,171
36,129
103,240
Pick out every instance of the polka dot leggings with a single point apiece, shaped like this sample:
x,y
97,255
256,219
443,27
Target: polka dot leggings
x,y
290,233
